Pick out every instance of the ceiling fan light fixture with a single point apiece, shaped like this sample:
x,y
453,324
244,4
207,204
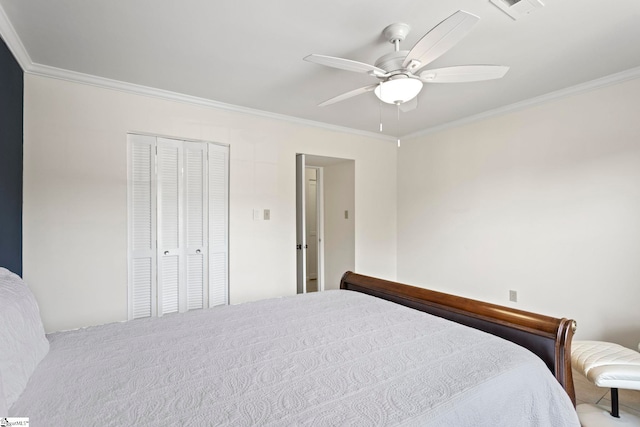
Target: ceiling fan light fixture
x,y
398,91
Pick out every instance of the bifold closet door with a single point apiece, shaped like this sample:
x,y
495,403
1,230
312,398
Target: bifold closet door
x,y
178,225
171,250
141,201
196,224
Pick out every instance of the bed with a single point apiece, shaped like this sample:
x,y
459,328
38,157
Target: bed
x,y
373,353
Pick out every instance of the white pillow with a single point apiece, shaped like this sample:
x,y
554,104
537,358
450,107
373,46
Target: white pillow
x,y
22,341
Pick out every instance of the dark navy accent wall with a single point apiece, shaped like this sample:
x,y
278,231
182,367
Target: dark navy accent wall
x,y
11,113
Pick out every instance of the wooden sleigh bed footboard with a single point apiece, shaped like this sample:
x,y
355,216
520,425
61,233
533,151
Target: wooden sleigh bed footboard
x,y
547,337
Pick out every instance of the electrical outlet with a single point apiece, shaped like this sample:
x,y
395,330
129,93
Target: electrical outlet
x,y
513,296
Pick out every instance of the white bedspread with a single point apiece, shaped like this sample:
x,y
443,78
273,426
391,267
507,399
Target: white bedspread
x,y
330,358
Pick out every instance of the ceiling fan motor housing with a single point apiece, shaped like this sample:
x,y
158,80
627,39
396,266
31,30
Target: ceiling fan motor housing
x,y
392,61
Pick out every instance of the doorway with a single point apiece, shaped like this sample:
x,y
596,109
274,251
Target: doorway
x,y
325,221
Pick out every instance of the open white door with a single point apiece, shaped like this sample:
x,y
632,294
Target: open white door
x,y
301,241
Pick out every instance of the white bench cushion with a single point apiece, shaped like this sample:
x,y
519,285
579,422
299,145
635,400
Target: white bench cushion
x,y
607,364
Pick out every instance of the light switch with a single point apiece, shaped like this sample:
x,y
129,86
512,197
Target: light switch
x,y
267,214
256,214
346,214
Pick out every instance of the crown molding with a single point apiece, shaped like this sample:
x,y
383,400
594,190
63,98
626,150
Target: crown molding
x,y
75,77
611,79
13,42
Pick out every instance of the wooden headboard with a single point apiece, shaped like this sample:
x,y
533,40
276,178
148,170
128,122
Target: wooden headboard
x,y
548,337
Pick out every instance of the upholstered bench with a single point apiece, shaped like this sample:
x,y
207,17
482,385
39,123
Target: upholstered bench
x,y
606,365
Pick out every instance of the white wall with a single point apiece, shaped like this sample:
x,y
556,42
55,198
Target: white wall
x,y
74,216
545,201
339,242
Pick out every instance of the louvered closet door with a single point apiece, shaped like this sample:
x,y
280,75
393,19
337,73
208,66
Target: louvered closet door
x,y
170,234
178,225
218,224
142,226
196,226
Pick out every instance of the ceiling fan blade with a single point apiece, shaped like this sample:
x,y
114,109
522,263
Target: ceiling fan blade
x,y
345,64
440,39
348,95
463,73
411,105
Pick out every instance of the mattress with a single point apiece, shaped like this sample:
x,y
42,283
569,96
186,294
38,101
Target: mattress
x,y
328,358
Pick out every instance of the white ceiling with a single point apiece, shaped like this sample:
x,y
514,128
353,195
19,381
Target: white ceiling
x,y
249,53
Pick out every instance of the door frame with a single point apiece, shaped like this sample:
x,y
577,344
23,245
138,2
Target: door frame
x,y
301,226
338,231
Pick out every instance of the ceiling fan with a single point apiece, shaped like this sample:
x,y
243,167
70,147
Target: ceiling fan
x,y
402,73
